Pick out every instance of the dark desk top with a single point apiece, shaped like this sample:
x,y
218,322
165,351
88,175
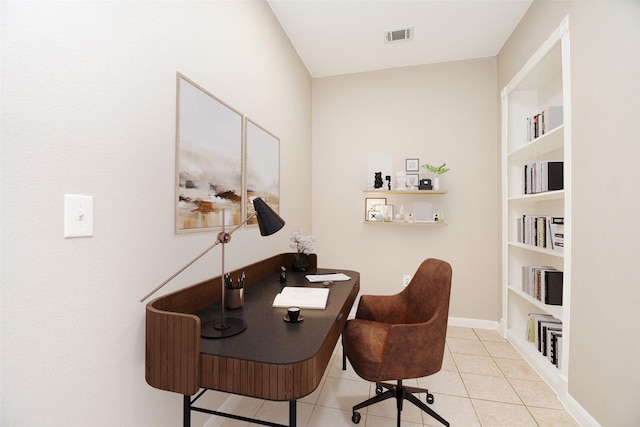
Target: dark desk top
x,y
268,338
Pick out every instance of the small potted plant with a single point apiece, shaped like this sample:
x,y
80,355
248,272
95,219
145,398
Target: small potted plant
x,y
437,171
303,245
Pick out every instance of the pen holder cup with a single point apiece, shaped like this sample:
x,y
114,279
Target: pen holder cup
x,y
234,298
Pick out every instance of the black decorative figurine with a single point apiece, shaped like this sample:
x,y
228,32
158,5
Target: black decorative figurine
x,y
388,178
283,274
378,182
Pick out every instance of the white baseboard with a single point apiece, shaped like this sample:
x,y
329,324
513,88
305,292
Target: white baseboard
x,y
473,323
581,416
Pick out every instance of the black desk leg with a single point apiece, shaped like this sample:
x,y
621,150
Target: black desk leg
x,y
292,413
186,411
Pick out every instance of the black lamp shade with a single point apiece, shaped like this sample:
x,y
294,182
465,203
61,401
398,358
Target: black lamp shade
x,y
268,221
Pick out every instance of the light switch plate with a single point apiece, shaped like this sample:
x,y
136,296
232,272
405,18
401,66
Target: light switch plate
x,y
78,216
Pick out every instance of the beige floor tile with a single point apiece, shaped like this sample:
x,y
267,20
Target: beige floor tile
x,y
460,332
501,349
553,417
496,414
461,345
458,411
343,394
482,365
489,335
517,369
233,404
335,370
444,382
536,393
387,409
278,412
375,421
323,417
447,362
490,388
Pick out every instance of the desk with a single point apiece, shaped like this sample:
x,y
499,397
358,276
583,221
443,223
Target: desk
x,y
271,360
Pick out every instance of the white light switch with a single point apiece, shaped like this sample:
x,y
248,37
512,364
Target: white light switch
x,y
78,216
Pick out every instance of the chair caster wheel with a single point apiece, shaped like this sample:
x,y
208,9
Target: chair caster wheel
x,y
430,398
379,389
356,417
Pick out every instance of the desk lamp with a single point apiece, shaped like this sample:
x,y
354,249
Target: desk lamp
x,y
269,223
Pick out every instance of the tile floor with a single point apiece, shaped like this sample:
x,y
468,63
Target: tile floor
x,y
483,382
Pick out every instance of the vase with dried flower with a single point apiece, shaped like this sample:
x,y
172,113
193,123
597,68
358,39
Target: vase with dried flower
x,y
436,171
303,245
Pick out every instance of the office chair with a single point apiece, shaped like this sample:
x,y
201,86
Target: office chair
x,y
402,336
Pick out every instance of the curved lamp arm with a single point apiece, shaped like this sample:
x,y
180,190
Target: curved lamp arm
x,y
268,221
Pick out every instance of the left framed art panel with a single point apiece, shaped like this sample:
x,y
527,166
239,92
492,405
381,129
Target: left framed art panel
x,y
208,160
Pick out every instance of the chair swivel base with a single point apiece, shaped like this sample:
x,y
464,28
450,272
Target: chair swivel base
x,y
400,393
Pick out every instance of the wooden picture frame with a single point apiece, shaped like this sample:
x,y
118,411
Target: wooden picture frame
x,y
373,204
412,165
413,180
208,160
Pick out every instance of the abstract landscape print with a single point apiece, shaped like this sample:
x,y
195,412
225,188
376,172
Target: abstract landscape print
x,y
208,160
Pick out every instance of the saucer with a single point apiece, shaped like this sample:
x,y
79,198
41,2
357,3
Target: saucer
x,y
286,319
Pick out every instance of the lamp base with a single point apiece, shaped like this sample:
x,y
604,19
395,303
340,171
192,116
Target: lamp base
x,y
219,329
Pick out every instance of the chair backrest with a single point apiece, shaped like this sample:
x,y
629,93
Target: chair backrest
x,y
426,297
402,336
416,348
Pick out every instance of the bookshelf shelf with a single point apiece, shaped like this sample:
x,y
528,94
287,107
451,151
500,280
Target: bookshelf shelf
x,y
547,143
554,310
532,102
538,197
536,249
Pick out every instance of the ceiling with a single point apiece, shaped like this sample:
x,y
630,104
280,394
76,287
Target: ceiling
x,y
334,37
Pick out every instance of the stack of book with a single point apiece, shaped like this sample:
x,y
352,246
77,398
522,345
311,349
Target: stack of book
x,y
545,331
544,122
543,231
540,177
543,283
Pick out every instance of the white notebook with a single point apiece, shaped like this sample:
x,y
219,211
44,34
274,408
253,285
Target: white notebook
x,y
331,277
314,298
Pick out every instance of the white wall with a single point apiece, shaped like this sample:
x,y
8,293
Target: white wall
x,y
603,377
88,107
437,113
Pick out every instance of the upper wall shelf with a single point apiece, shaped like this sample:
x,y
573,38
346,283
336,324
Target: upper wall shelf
x,y
405,191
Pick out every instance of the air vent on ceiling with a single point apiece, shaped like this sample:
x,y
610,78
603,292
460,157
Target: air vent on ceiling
x,y
402,34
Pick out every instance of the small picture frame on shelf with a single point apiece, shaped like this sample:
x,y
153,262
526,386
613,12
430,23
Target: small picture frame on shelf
x,y
412,165
373,207
413,180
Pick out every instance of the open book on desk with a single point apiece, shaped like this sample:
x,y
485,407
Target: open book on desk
x,y
330,277
315,298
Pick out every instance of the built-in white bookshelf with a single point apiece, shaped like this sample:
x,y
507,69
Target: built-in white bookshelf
x,y
529,101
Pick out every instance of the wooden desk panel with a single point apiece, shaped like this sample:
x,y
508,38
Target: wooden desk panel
x,y
265,378
175,360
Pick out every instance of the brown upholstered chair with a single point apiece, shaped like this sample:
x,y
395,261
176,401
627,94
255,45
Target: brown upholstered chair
x,y
402,336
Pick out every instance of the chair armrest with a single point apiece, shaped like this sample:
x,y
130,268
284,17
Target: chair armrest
x,y
381,308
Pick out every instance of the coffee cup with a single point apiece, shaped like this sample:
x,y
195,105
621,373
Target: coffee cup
x,y
294,313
